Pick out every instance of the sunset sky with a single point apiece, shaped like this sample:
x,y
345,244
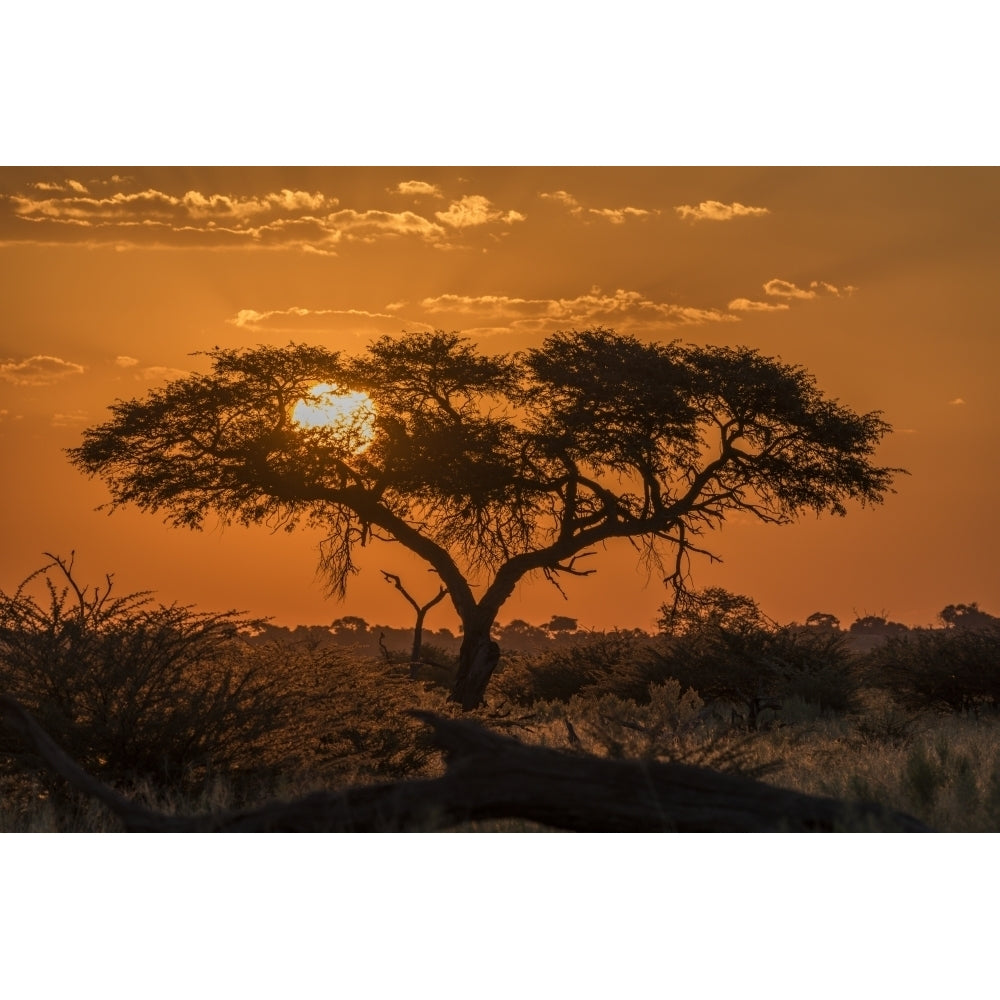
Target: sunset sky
x,y
880,281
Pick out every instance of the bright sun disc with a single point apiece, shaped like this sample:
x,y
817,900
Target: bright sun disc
x,y
349,414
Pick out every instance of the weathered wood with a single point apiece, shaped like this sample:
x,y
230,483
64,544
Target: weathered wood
x,y
494,777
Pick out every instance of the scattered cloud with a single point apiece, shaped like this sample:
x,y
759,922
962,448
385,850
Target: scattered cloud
x,y
158,207
417,188
957,401
717,211
563,198
368,226
749,305
825,286
298,319
788,290
617,216
40,369
905,430
117,214
475,210
124,361
622,309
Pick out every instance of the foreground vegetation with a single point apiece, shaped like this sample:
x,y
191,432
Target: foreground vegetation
x,y
193,713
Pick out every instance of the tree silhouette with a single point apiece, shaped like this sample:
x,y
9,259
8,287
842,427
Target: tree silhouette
x,y
823,621
967,616
421,612
493,468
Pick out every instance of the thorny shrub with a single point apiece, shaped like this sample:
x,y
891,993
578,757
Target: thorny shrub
x,y
128,688
756,668
941,669
618,663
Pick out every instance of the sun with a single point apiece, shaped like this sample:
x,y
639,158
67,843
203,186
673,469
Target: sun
x,y
349,414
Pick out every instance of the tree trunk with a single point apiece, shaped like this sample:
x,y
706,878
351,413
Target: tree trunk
x,y
418,641
477,660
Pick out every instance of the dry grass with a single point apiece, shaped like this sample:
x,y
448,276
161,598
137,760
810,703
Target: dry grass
x,y
353,727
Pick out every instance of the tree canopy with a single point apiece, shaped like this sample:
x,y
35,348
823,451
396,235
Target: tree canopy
x,y
493,467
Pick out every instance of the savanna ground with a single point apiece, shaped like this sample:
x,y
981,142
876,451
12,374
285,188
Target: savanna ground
x,y
190,712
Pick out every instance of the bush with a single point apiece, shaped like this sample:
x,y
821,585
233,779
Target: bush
x,y
942,669
350,721
618,663
130,689
756,667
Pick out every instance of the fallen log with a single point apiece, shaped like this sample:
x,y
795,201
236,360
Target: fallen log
x,y
490,777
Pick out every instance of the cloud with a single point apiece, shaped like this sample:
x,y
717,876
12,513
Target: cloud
x,y
717,211
297,319
622,309
957,401
151,207
748,305
825,286
193,218
475,210
617,216
305,221
40,369
563,198
417,188
124,361
369,225
787,290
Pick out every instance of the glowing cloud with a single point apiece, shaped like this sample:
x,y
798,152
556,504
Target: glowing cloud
x,y
717,211
617,216
297,317
417,188
288,219
475,210
622,309
748,305
369,225
563,198
957,401
786,290
40,369
124,361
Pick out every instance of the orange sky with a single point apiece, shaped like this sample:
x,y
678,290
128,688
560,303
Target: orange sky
x,y
882,282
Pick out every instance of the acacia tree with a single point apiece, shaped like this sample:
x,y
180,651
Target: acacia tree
x,y
492,468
